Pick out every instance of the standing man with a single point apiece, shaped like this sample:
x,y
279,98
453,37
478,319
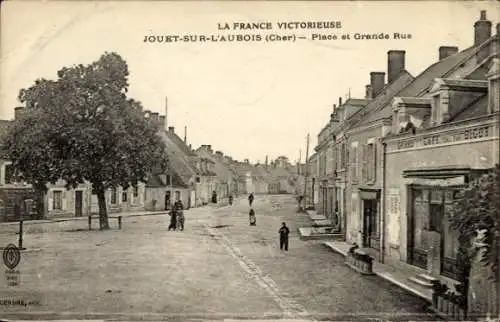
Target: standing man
x,y
284,231
173,218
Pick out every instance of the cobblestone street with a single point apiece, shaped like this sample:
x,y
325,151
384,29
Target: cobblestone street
x,y
219,267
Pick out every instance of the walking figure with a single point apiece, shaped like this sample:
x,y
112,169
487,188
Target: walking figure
x,y
251,218
230,200
173,219
284,231
250,199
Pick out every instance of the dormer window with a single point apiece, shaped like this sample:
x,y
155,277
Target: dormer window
x,y
409,113
451,97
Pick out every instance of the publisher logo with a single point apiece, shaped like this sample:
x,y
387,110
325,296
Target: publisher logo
x,y
11,256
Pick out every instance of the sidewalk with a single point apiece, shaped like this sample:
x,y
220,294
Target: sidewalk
x,y
85,217
395,276
115,214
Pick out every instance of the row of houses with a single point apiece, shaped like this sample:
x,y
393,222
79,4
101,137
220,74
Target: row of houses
x,y
387,166
193,176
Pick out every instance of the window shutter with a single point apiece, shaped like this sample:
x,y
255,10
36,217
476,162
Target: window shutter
x,y
364,158
374,162
50,200
64,196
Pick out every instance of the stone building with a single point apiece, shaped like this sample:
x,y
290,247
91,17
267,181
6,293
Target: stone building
x,y
444,133
403,152
360,170
338,121
225,176
324,154
312,194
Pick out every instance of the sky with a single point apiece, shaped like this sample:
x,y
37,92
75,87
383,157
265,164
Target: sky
x,y
246,99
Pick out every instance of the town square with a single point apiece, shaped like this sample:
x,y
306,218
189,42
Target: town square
x,y
297,170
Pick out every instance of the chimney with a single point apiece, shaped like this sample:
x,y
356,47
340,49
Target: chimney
x,y
18,112
368,91
166,114
482,29
340,101
247,161
190,147
219,155
395,64
161,121
445,51
185,134
377,83
171,129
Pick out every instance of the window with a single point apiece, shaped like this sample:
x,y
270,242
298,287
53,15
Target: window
x,y
369,162
136,192
124,196
57,201
169,180
9,174
177,195
354,162
113,196
344,156
198,180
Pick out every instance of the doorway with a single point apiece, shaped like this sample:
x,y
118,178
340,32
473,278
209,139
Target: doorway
x,y
78,203
167,200
369,221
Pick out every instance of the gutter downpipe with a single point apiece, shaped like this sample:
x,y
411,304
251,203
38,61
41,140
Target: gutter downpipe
x,y
382,204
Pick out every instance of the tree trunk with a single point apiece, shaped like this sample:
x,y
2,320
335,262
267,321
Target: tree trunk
x,y
103,213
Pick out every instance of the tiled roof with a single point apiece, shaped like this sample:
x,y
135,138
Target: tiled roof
x,y
180,143
421,83
371,111
178,159
475,109
414,100
358,101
